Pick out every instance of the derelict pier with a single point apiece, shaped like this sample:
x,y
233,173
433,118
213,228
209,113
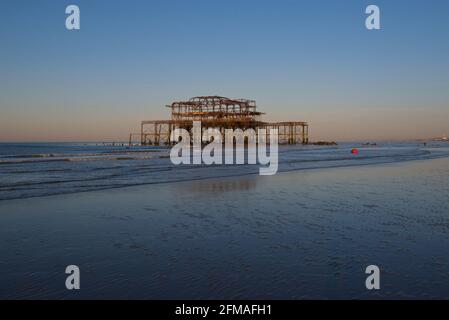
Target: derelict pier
x,y
219,112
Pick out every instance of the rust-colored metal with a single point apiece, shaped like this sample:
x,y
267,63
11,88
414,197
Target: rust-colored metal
x,y
219,112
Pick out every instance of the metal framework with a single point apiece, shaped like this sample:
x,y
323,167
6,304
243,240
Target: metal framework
x,y
219,112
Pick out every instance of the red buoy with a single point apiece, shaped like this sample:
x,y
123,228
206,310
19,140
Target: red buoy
x,y
355,151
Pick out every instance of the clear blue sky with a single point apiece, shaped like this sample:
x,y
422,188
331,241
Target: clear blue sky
x,y
306,60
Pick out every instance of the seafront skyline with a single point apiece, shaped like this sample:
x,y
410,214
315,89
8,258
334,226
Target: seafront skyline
x,y
313,61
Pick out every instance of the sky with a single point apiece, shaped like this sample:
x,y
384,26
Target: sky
x,y
311,61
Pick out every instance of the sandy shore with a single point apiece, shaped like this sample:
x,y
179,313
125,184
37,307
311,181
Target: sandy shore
x,y
303,234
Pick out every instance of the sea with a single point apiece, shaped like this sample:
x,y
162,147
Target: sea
x,y
42,169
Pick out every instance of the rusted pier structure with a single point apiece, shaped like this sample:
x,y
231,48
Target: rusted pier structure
x,y
219,112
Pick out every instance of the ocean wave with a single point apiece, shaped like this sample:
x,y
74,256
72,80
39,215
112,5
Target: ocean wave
x,y
18,160
27,177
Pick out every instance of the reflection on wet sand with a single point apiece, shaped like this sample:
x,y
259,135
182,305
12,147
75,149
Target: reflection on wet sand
x,y
212,186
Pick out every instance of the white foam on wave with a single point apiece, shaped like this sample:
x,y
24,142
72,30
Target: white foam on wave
x,y
71,172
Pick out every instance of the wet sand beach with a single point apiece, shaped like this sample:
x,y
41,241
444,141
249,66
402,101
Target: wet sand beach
x,y
299,234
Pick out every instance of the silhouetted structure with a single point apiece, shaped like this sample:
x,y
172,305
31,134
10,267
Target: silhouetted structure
x,y
222,113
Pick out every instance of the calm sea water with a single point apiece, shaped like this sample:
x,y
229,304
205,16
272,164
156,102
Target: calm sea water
x,y
41,169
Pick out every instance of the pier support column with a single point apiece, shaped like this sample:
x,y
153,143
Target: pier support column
x,y
141,134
